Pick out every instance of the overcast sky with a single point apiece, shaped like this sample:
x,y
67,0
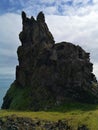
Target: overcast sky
x,y
74,21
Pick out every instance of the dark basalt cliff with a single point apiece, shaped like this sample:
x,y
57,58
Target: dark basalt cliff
x,y
49,74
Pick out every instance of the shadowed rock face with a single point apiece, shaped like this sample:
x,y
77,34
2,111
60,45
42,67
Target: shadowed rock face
x,y
49,74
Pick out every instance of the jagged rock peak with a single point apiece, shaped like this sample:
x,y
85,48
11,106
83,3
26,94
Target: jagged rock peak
x,y
41,17
23,16
35,31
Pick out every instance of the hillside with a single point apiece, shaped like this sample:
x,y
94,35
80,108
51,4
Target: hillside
x,y
77,116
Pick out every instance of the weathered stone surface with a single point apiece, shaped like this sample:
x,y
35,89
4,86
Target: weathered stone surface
x,y
51,73
21,123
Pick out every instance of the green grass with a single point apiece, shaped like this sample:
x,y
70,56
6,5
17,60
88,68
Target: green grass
x,y
75,113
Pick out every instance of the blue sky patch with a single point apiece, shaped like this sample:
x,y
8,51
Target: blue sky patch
x,y
38,5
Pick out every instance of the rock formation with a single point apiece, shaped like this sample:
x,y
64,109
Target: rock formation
x,y
49,74
23,123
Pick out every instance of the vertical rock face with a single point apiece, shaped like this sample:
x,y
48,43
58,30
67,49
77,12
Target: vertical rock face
x,y
49,74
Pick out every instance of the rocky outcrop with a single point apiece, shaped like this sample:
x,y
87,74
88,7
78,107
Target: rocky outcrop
x,y
22,123
49,74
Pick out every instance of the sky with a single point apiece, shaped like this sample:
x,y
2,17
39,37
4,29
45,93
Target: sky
x,y
75,21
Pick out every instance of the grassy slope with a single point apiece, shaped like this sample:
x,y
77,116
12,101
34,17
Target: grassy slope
x,y
76,114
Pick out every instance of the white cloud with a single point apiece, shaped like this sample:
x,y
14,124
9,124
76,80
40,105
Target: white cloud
x,y
47,1
83,2
95,70
95,1
7,70
60,7
50,10
10,26
75,28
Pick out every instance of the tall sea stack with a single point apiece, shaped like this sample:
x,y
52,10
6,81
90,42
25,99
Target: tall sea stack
x,y
49,74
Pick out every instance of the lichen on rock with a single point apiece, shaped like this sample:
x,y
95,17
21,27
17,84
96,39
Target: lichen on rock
x,y
48,74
